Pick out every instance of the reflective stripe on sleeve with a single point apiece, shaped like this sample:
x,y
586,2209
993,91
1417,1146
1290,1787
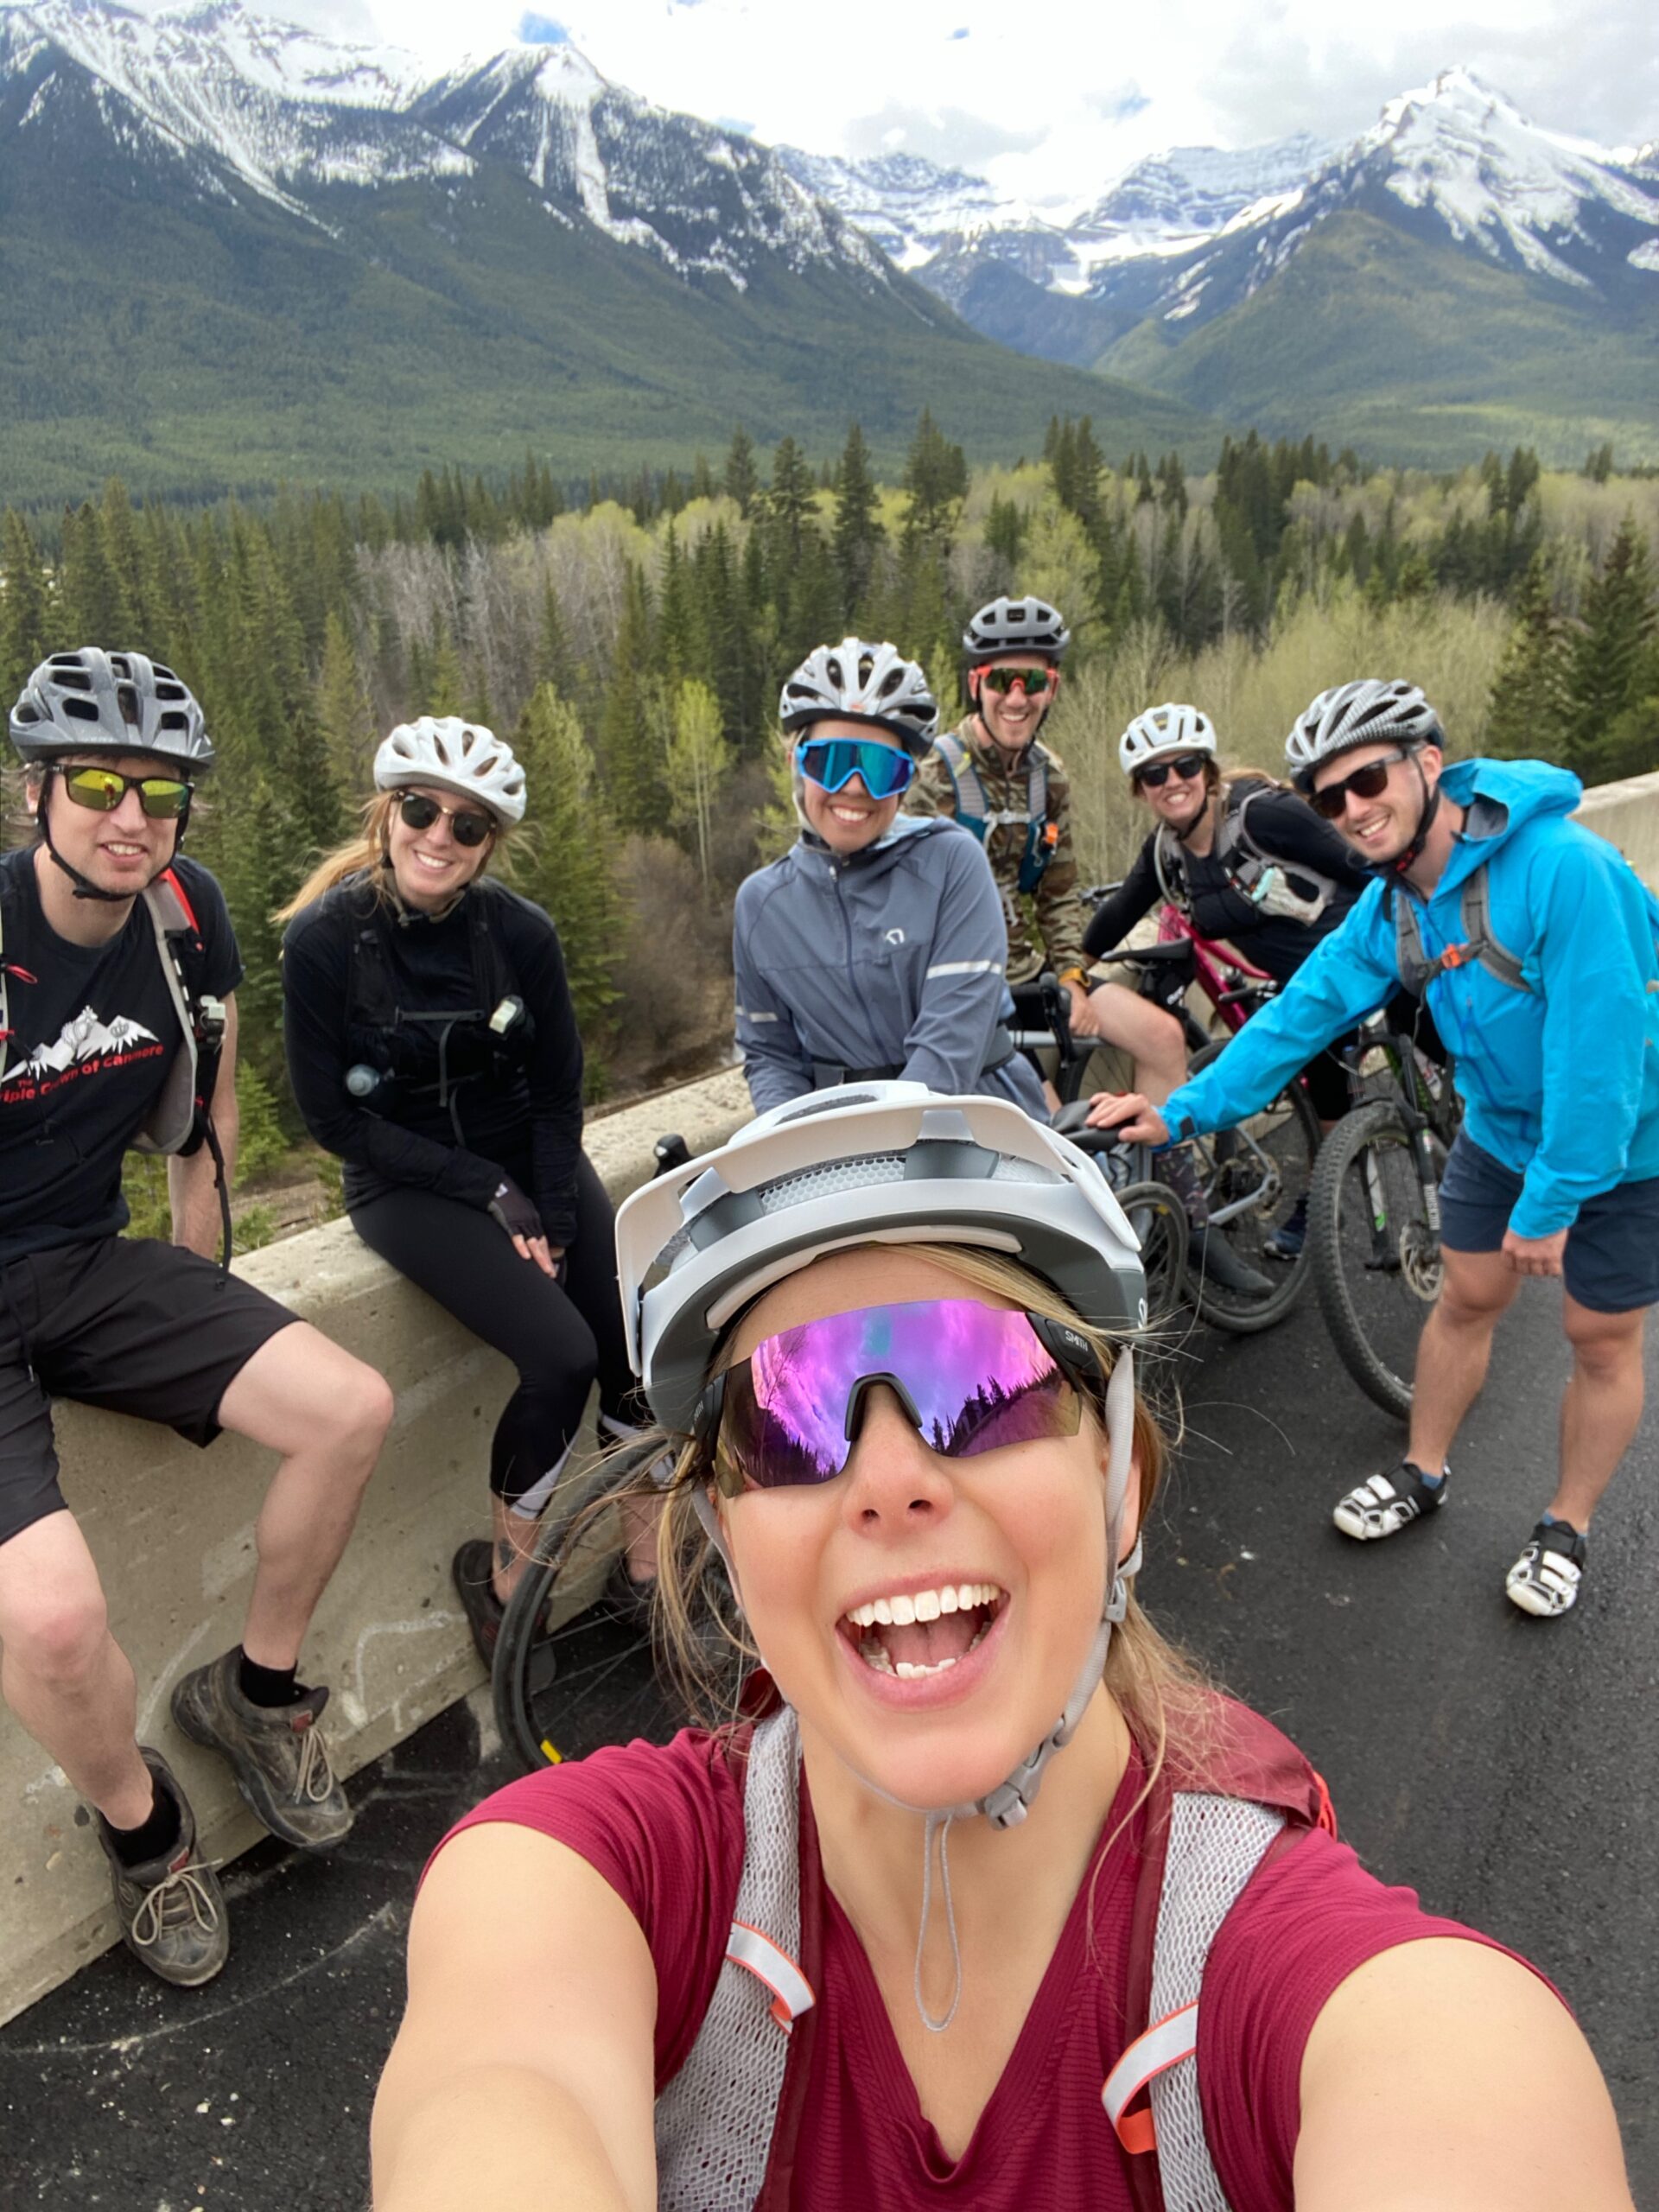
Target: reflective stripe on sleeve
x,y
792,1992
965,967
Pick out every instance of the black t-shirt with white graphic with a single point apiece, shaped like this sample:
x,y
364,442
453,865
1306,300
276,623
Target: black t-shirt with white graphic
x,y
93,1030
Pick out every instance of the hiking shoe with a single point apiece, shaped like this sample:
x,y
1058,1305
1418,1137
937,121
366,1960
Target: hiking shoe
x,y
276,1753
470,1571
1212,1258
1383,1505
1544,1581
171,1909
1287,1241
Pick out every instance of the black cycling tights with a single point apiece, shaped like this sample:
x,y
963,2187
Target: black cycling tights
x,y
558,1335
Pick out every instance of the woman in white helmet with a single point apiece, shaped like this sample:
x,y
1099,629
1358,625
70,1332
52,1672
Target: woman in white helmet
x,y
432,1046
891,1940
1250,862
877,946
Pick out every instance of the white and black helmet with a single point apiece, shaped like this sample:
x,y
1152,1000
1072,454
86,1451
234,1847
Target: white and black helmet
x,y
457,756
1370,712
1014,625
98,701
1163,732
857,682
885,1163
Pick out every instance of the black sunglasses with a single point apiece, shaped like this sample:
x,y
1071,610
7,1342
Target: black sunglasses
x,y
1332,799
1033,681
420,812
1188,766
163,798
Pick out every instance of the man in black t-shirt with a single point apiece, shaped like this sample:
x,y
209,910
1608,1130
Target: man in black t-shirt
x,y
117,1028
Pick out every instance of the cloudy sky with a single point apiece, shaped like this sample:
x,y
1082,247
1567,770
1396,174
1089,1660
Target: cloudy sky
x,y
1054,98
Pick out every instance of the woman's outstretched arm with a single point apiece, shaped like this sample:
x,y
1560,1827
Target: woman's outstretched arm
x,y
523,2073
1443,2076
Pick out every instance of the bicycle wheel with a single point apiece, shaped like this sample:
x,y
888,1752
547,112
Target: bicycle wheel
x,y
1375,1246
575,1664
1159,1219
1254,1178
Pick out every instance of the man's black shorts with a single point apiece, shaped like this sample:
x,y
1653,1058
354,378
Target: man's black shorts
x,y
124,1322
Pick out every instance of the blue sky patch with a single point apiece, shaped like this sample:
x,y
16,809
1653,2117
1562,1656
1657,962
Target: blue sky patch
x,y
962,33
542,31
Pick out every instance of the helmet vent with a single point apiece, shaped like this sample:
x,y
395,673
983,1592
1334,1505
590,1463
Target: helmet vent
x,y
83,710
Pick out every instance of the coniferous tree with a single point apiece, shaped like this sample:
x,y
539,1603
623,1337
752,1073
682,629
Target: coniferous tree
x,y
345,717
23,609
741,478
568,866
1611,665
632,740
1527,710
858,530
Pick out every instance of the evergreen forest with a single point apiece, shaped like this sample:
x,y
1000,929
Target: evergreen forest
x,y
630,637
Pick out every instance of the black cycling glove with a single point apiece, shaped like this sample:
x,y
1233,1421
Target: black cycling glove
x,y
515,1212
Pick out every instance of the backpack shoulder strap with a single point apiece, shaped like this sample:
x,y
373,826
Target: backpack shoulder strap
x,y
973,810
1495,956
716,2119
1167,865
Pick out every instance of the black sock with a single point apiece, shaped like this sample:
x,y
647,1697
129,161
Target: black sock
x,y
267,1685
153,1836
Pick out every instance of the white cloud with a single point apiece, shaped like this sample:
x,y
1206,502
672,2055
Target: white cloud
x,y
1054,102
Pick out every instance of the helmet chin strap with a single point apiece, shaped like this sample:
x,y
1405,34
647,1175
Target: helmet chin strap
x,y
84,886
1007,1805
1431,807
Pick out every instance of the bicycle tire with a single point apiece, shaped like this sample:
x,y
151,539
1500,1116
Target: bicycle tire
x,y
1370,1305
573,1671
1293,1143
1159,1220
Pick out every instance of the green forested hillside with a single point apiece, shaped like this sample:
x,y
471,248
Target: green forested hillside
x,y
1400,344
194,343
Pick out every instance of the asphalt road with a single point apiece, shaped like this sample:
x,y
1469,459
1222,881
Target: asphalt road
x,y
1505,1768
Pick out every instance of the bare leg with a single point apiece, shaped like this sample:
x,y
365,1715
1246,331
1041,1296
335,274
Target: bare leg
x,y
1453,1351
328,1415
64,1676
1601,1408
1155,1040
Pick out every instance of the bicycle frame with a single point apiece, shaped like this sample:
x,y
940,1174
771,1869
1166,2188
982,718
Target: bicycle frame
x,y
1423,1115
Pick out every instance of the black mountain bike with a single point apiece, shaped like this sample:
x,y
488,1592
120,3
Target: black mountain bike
x,y
1374,1211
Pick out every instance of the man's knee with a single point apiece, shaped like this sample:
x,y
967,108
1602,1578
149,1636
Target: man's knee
x,y
1476,1288
1606,1346
361,1409
56,1635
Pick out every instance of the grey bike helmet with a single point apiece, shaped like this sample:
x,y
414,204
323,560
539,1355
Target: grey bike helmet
x,y
1014,625
883,1163
1370,712
857,682
95,700
457,756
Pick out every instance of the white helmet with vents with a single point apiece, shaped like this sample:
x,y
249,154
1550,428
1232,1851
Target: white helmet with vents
x,y
1162,733
883,1163
1370,712
857,682
457,756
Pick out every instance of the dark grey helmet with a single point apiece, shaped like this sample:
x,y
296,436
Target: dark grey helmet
x,y
1014,625
98,701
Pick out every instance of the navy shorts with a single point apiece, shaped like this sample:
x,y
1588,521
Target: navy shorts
x,y
125,1322
1612,1261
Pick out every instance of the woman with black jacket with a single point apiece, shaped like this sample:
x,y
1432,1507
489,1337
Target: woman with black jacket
x,y
432,1045
1247,861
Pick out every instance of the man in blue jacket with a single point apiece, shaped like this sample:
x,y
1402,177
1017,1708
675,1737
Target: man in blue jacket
x,y
1534,943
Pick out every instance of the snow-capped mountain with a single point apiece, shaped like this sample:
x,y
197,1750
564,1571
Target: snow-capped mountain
x,y
83,1037
246,100
1197,229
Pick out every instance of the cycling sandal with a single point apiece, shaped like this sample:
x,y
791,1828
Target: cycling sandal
x,y
1545,1580
1383,1504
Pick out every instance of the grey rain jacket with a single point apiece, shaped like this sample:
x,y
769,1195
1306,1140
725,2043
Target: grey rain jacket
x,y
893,958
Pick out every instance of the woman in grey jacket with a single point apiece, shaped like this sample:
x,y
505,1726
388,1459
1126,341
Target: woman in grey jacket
x,y
875,948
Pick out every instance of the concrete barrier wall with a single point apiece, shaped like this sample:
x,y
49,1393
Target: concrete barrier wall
x,y
172,1529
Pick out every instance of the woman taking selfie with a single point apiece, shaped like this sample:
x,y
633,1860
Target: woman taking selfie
x,y
432,1046
889,1940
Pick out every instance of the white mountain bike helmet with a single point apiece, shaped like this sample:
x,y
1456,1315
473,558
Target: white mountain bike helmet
x,y
457,756
1370,712
98,701
883,1163
1014,625
857,682
1161,732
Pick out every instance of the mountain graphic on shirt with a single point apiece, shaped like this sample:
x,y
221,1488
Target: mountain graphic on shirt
x,y
83,1036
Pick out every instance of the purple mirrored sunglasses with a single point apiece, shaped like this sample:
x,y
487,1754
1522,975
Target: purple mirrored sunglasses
x,y
971,1378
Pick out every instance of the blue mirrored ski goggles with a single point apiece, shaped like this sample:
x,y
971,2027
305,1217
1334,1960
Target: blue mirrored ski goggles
x,y
832,762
